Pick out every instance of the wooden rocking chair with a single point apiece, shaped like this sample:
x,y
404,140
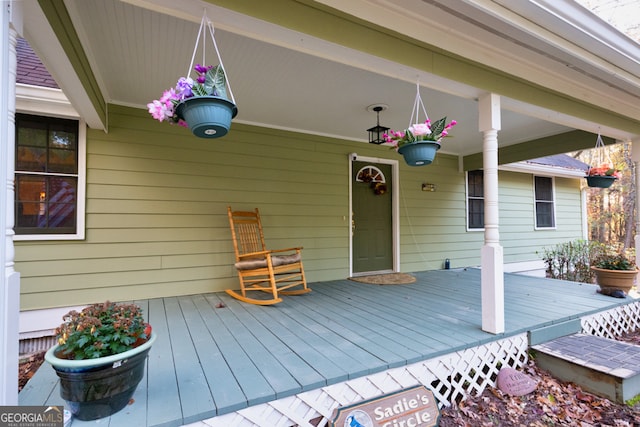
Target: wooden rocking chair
x,y
259,269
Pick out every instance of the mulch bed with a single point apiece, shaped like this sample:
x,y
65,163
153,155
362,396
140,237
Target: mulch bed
x,y
553,403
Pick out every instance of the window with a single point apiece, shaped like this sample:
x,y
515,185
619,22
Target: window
x,y
545,211
475,199
49,159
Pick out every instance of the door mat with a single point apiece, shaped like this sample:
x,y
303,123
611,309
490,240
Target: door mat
x,y
386,279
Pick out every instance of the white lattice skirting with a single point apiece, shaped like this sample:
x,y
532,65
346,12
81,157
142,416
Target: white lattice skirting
x,y
450,377
613,323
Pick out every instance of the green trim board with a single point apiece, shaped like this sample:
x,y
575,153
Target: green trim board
x,y
569,141
61,23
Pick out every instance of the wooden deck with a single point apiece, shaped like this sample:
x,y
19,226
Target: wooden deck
x,y
210,360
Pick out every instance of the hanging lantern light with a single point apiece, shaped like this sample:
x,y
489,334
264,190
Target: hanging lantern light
x,y
376,132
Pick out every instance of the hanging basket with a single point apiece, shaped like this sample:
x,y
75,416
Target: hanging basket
x,y
600,181
419,153
604,175
207,116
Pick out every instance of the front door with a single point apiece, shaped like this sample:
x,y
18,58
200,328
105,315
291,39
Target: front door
x,y
372,221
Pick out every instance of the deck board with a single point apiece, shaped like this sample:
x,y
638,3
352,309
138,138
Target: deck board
x,y
296,367
163,404
227,393
274,373
215,354
195,395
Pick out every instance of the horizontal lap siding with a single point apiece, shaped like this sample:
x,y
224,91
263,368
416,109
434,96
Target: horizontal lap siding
x,y
435,227
156,211
518,235
156,222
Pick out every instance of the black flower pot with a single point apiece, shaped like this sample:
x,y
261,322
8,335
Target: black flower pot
x,y
102,389
600,181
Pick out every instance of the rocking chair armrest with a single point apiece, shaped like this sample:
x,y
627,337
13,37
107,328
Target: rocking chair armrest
x,y
259,254
286,250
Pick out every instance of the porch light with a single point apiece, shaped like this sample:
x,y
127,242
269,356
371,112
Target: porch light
x,y
375,133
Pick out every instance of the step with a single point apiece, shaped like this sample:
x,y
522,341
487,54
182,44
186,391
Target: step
x,y
602,366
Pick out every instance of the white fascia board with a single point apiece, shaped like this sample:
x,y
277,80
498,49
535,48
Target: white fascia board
x,y
43,101
45,44
542,170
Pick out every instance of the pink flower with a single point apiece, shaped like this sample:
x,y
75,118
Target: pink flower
x,y
158,110
420,129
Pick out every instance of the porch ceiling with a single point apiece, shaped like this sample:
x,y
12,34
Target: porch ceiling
x,y
284,78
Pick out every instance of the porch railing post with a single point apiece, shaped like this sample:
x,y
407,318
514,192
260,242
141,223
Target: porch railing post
x,y
492,258
635,157
10,279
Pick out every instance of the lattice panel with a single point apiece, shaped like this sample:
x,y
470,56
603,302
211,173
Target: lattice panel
x,y
613,323
451,377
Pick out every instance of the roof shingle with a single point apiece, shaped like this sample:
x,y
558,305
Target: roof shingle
x,y
30,69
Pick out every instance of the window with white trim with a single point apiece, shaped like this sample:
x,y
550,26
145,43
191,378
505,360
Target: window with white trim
x,y
475,200
49,178
544,201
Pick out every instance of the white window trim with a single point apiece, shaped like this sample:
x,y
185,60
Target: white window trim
x,y
553,196
49,102
466,203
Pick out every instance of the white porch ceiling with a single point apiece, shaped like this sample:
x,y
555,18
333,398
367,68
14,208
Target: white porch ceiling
x,y
289,80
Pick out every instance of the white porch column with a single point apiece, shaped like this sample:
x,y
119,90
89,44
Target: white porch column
x,y
492,277
635,157
10,279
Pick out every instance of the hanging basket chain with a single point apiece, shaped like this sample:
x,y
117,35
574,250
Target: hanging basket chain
x,y
202,32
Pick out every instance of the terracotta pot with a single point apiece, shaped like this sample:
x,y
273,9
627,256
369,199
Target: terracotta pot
x,y
615,279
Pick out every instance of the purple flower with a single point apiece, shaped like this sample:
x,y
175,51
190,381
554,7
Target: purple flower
x,y
201,69
202,72
183,87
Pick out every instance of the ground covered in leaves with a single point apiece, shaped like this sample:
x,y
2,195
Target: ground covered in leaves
x,y
553,403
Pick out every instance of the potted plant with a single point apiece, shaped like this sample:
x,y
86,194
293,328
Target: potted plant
x,y
602,176
419,143
202,105
100,357
614,271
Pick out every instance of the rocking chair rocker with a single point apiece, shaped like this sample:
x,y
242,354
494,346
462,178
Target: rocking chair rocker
x,y
259,269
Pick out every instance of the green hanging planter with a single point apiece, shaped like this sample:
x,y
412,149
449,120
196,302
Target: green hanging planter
x,y
207,116
600,181
419,153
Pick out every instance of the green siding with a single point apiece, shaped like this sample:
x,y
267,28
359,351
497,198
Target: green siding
x,y
156,222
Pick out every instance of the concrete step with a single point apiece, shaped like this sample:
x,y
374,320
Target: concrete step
x,y
599,365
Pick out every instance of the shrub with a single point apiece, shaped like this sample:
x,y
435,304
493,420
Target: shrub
x,y
571,260
101,330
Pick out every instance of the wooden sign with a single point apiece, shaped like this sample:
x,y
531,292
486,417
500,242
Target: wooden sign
x,y
413,407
